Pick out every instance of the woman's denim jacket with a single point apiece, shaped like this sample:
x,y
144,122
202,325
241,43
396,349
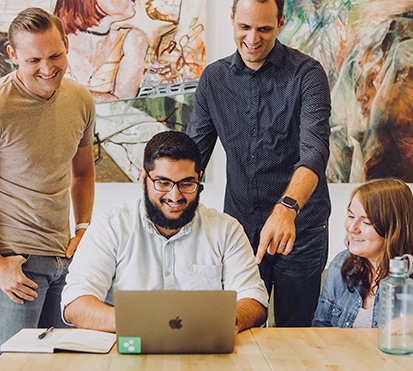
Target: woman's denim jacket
x,y
337,305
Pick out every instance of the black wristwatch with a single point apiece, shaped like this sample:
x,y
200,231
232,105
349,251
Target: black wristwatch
x,y
289,202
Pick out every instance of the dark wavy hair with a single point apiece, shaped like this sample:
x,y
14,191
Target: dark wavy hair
x,y
171,144
388,204
280,5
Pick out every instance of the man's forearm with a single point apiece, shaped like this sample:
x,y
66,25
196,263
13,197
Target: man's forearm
x,y
82,193
90,313
82,185
250,313
302,185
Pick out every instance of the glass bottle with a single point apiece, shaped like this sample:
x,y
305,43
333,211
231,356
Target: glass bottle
x,y
396,308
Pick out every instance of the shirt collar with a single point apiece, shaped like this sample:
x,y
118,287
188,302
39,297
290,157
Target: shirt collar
x,y
275,57
26,91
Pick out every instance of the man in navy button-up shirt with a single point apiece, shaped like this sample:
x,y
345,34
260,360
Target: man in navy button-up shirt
x,y
270,106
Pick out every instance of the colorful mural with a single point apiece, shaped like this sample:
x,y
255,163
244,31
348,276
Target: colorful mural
x,y
366,48
140,59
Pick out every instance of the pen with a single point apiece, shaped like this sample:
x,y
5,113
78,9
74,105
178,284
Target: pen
x,y
44,333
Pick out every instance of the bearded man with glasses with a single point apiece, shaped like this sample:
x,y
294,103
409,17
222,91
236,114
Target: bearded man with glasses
x,y
165,241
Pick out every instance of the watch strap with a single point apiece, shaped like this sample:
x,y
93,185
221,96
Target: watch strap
x,y
81,226
289,202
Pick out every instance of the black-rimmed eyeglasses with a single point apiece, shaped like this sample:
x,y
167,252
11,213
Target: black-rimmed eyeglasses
x,y
166,185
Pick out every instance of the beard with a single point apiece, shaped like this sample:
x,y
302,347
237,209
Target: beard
x,y
157,216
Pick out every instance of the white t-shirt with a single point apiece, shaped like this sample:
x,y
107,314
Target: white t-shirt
x,y
364,318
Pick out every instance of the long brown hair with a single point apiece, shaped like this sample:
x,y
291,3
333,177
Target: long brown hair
x,y
78,14
388,204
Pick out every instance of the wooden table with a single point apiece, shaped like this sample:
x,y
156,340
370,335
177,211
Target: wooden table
x,y
258,349
246,356
326,348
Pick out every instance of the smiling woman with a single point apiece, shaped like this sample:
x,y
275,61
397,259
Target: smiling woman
x,y
363,238
379,227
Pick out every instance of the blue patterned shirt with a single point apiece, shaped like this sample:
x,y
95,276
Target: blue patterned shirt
x,y
270,122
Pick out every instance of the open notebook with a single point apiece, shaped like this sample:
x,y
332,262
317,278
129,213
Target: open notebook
x,y
175,321
78,340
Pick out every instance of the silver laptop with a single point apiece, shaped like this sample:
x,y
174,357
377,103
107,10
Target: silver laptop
x,y
175,321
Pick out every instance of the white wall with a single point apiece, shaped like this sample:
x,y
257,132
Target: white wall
x,y
219,43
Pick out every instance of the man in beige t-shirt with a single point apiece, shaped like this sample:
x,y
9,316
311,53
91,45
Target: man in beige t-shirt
x,y
46,146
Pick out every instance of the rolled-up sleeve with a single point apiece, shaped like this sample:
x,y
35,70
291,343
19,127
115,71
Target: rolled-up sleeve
x,y
201,127
94,264
314,118
240,272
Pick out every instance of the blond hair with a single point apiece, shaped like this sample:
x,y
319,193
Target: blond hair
x,y
34,20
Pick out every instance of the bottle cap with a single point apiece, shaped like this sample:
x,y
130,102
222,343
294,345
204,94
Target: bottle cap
x,y
398,265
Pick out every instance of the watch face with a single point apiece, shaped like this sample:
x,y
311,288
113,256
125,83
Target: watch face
x,y
289,201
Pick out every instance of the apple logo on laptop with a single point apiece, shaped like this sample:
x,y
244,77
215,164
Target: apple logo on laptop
x,y
175,323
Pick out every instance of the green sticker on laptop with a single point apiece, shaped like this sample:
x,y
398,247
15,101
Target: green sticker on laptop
x,y
129,345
